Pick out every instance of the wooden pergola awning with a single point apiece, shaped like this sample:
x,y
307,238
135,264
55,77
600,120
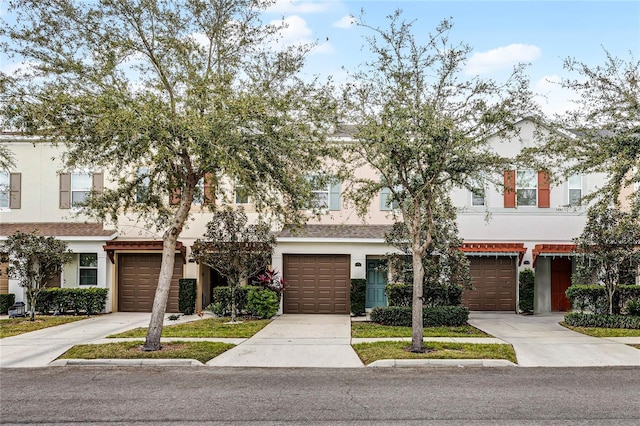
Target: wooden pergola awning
x,y
145,246
562,250
485,248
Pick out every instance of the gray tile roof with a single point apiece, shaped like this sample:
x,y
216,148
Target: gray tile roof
x,y
337,231
57,229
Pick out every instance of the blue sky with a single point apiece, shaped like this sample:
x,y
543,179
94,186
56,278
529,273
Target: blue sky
x,y
501,33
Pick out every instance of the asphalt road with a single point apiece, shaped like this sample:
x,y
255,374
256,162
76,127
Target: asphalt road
x,y
201,395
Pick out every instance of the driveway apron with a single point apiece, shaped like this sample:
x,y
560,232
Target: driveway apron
x,y
39,348
539,341
293,340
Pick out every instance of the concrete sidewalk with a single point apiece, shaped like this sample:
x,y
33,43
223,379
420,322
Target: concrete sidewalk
x,y
539,341
296,341
39,348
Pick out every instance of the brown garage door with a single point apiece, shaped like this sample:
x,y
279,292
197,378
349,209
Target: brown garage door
x,y
138,278
316,284
494,283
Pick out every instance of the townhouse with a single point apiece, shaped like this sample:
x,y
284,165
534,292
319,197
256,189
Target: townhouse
x,y
531,225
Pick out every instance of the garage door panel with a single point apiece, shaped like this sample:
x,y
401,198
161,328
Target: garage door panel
x,y
494,282
137,280
316,284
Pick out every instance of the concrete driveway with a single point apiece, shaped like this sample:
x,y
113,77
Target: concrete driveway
x,y
39,348
296,341
539,341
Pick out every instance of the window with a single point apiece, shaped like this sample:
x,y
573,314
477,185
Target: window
x,y
385,199
241,194
321,196
526,188
198,196
4,190
575,189
80,188
88,269
142,188
477,197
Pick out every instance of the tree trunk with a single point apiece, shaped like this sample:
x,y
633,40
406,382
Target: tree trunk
x,y
169,241
417,322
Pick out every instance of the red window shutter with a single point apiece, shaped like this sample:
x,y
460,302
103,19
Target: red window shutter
x,y
209,196
544,190
510,188
65,190
175,197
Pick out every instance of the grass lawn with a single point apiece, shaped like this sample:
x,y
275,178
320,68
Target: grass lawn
x,y
14,326
370,329
202,351
370,352
210,327
604,332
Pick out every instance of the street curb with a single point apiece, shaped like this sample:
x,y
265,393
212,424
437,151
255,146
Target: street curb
x,y
435,363
128,362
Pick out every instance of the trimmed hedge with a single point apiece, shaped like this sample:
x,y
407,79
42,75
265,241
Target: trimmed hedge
x,y
578,319
593,298
433,295
431,317
263,303
526,284
6,300
358,296
72,300
187,292
221,300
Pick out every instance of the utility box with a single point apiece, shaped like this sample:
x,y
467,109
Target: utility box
x,y
17,310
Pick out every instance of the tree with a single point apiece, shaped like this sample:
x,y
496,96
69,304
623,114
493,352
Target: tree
x,y
234,248
602,133
607,250
34,261
423,127
196,92
6,159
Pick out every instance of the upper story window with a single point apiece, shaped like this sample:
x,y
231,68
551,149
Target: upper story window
x,y
526,188
478,197
321,196
241,195
575,189
88,269
385,199
198,196
4,190
80,187
142,188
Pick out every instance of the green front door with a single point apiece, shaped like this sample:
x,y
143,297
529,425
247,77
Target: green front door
x,y
376,282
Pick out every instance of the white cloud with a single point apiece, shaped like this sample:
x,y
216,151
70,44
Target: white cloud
x,y
553,99
347,21
297,31
501,58
299,6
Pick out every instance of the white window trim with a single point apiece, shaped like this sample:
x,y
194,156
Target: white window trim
x,y
325,190
145,183
484,197
237,185
8,191
80,267
78,172
535,188
569,188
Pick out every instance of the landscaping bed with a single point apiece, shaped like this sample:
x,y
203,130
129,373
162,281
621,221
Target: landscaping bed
x,y
209,327
370,352
201,351
15,326
365,329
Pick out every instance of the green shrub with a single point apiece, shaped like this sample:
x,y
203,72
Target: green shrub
x,y
358,296
263,303
221,300
593,298
632,307
526,284
187,292
432,317
6,300
578,319
433,295
72,300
